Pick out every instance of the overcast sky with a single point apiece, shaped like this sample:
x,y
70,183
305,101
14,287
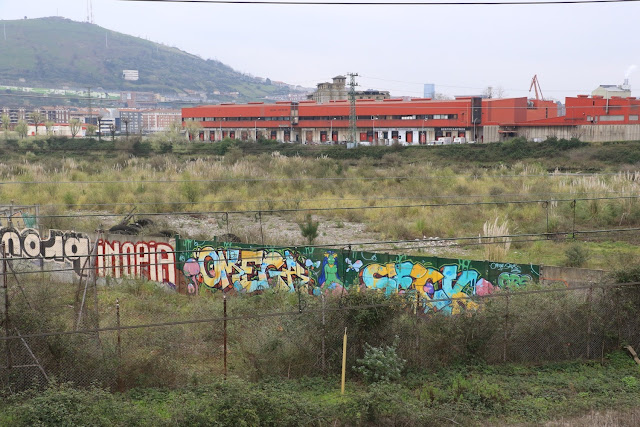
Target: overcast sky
x,y
461,49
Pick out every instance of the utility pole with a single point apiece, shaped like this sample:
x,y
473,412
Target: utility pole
x,y
352,111
90,112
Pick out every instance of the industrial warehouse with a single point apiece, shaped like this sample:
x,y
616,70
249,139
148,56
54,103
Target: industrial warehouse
x,y
608,116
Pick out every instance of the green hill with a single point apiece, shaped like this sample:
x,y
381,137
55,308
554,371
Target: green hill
x,y
55,52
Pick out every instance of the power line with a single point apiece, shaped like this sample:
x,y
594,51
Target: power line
x,y
346,208
283,201
384,3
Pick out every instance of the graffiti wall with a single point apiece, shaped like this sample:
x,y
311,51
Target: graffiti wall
x,y
18,216
441,284
60,246
151,260
194,267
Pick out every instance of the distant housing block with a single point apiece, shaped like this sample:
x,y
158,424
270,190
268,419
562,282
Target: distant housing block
x,y
130,75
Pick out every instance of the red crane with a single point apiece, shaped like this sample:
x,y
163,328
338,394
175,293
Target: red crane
x,y
535,84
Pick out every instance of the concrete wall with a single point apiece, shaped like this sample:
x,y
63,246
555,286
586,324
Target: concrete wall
x,y
572,277
490,133
587,133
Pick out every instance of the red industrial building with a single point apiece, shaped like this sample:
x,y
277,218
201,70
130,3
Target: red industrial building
x,y
420,121
414,121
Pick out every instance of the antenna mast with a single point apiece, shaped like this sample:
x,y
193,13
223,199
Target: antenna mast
x,y
89,12
352,110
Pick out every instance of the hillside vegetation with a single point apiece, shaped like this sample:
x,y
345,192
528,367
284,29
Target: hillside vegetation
x,y
55,52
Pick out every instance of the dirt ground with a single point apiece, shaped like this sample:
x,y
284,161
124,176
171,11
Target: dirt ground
x,y
281,231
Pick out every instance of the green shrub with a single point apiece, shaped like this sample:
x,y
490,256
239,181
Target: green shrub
x,y
380,364
576,256
62,405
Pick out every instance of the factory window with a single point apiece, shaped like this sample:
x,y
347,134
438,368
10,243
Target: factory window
x,y
633,118
611,118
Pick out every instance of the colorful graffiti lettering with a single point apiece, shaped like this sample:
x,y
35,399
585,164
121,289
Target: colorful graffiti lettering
x,y
445,289
513,280
246,271
21,219
513,268
154,261
61,246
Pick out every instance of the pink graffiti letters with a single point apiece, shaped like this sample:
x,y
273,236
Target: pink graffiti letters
x,y
154,261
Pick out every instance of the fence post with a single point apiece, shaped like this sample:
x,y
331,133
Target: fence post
x,y
545,205
344,360
324,333
506,331
261,229
224,334
119,383
589,297
5,286
573,232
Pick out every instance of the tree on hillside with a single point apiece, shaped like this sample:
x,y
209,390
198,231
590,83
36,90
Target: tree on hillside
x,y
22,128
36,118
6,122
74,127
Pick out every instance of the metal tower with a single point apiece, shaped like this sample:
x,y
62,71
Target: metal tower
x,y
352,111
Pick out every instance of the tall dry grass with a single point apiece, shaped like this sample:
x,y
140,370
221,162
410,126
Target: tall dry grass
x,y
273,182
495,247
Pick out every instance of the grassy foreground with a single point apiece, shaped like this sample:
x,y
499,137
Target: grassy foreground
x,y
469,395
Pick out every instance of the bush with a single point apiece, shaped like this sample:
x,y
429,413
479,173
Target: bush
x,y
380,364
61,405
576,256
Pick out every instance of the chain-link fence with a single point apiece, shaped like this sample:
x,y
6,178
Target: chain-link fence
x,y
139,334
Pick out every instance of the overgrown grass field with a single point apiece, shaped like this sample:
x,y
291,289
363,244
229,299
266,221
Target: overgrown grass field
x,y
398,193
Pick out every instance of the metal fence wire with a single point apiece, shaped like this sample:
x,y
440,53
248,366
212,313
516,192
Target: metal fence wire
x,y
138,334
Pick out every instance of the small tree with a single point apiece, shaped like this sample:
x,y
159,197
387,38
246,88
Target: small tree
x,y
6,122
48,125
74,127
91,129
309,229
193,129
125,120
22,128
36,118
380,364
99,128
